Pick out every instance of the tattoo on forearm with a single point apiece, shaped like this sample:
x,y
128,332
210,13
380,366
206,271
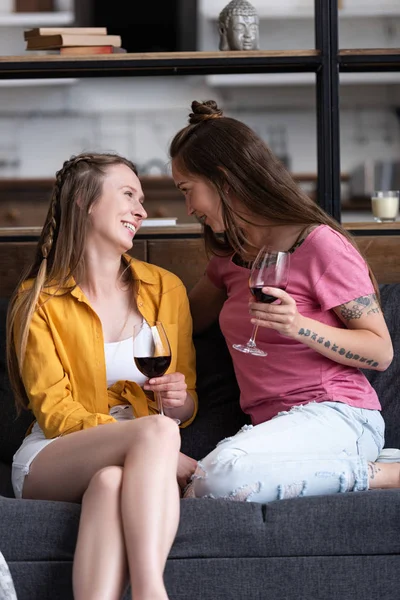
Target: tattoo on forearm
x,y
373,469
335,348
359,306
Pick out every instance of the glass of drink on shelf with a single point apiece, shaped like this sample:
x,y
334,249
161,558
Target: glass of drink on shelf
x,y
270,269
152,353
385,205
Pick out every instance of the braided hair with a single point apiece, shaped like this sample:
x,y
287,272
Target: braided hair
x,y
59,257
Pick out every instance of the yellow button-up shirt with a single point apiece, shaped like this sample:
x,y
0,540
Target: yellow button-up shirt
x,y
64,371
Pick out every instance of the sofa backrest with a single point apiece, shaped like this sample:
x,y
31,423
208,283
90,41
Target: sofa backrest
x,y
219,411
12,429
387,383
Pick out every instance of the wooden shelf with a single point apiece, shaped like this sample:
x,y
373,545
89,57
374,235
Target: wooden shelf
x,y
374,226
190,230
32,66
175,231
369,59
152,63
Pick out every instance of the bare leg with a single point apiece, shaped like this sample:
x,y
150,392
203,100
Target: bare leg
x,y
148,547
383,475
148,449
100,568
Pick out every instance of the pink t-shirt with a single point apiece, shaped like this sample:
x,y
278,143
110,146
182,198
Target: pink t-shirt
x,y
325,271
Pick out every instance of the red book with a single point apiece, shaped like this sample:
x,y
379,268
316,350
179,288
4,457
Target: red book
x,y
85,50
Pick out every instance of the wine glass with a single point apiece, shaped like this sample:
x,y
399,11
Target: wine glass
x,y
270,268
152,353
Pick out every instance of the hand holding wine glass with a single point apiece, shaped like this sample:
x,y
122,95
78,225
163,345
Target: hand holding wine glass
x,y
152,355
270,269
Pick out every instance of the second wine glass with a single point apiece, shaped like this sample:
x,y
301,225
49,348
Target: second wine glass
x,y
270,269
152,353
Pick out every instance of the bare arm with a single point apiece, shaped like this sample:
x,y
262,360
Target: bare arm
x,y
364,344
206,302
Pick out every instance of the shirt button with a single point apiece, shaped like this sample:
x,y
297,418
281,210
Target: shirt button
x,y
140,303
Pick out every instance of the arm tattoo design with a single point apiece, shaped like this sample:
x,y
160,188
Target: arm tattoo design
x,y
373,469
359,306
335,348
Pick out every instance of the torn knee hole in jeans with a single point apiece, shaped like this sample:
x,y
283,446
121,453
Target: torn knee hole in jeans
x,y
200,472
242,494
292,490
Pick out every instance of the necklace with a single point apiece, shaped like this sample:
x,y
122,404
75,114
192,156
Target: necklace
x,y
247,264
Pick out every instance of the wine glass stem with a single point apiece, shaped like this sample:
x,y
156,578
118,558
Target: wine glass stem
x,y
252,340
159,403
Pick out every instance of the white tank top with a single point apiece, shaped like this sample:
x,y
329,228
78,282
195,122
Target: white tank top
x,y
120,365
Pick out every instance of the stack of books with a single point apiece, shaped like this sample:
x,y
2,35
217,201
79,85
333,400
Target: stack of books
x,y
73,40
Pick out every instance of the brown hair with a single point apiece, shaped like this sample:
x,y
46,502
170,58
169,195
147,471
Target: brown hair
x,y
59,252
228,153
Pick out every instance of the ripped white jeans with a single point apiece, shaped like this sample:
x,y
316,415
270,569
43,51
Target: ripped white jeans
x,y
313,449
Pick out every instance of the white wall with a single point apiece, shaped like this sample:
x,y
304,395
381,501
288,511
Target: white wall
x,y
40,127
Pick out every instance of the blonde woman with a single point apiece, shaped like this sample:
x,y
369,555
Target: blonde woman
x,y
97,437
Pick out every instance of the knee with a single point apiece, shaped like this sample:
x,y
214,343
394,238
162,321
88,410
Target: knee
x,y
107,480
213,475
221,475
158,429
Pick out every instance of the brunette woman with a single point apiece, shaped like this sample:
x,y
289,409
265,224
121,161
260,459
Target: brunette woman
x,y
316,421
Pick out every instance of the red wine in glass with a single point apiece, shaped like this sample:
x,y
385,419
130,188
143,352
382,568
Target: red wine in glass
x,y
152,353
261,297
152,366
270,269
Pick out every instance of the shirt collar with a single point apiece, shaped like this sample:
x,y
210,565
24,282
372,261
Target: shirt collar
x,y
141,270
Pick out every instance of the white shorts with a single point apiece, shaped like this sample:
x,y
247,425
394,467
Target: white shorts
x,y
36,441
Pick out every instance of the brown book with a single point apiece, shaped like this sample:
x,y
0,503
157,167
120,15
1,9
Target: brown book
x,y
37,31
46,42
34,6
85,50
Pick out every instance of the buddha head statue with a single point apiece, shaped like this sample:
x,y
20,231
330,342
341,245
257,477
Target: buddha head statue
x,y
238,26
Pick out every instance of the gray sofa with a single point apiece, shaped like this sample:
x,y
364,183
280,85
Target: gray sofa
x,y
342,547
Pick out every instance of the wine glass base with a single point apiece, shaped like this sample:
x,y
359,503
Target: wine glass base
x,y
250,350
177,421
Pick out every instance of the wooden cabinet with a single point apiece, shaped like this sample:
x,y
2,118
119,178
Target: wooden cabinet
x,y
181,250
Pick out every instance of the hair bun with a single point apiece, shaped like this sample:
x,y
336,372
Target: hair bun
x,y
204,111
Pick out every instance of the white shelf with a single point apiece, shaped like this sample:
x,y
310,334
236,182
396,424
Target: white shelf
x,y
303,9
295,79
52,19
12,83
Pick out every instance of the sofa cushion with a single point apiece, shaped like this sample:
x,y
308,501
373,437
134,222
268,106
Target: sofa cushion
x,y
41,530
342,524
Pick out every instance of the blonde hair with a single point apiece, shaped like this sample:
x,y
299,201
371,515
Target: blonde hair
x,y
59,252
